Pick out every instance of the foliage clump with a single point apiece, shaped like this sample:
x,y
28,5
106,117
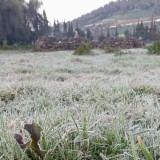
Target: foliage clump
x,y
111,50
83,49
154,48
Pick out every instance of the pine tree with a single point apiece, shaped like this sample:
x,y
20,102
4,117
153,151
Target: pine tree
x,y
108,33
134,31
101,37
140,31
116,33
153,31
127,33
77,25
89,34
79,30
70,32
56,29
64,29
46,29
146,30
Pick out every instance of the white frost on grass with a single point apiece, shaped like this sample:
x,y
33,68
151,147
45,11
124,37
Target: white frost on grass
x,y
50,88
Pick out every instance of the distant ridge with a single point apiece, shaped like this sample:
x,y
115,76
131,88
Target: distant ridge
x,y
121,10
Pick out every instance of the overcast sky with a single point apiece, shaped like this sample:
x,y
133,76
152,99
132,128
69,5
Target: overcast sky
x,y
70,9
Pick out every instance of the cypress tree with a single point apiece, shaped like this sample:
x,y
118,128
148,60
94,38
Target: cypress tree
x,y
70,30
101,37
89,34
64,29
116,33
108,33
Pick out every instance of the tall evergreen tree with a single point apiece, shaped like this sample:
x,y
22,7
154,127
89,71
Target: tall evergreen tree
x,y
127,33
101,37
70,30
141,31
89,34
79,30
146,30
153,31
45,28
64,29
77,25
116,32
108,34
134,31
56,29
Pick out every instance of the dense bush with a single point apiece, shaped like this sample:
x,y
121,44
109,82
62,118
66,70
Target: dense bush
x,y
83,49
154,48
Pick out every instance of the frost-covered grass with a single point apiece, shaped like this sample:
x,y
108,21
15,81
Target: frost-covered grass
x,y
90,107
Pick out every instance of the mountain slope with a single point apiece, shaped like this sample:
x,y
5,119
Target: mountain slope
x,y
121,10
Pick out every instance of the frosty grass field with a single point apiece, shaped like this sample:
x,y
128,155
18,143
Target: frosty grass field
x,y
90,107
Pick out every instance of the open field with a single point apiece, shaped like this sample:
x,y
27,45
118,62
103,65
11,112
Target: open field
x,y
90,107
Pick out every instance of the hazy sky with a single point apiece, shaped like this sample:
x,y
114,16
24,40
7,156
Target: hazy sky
x,y
70,9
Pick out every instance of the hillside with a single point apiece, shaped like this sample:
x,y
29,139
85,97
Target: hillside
x,y
121,10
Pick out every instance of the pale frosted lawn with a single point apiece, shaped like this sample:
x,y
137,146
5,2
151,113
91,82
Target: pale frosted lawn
x,y
53,88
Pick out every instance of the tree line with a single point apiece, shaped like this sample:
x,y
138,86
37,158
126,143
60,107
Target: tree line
x,y
146,32
20,21
68,29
